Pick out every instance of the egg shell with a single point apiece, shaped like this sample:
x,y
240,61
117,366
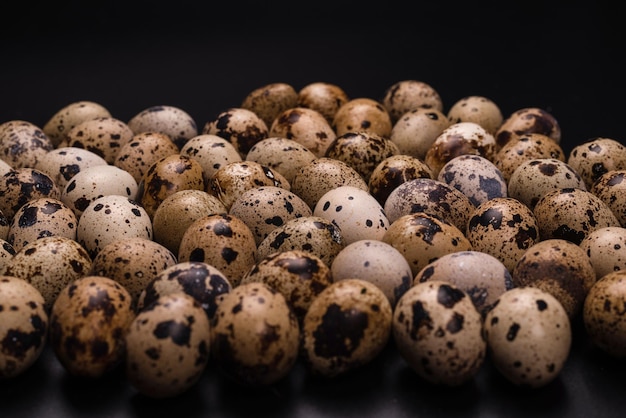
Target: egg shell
x,y
172,121
23,144
406,95
143,150
606,249
393,171
324,97
528,120
306,126
88,323
4,226
270,100
255,335
4,167
346,327
475,176
21,185
478,109
595,157
611,189
61,164
103,136
283,155
23,326
529,336
168,346
6,254
438,332
362,114
63,120
211,151
241,127
416,131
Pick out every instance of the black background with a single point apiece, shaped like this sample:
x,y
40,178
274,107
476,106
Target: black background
x,y
564,57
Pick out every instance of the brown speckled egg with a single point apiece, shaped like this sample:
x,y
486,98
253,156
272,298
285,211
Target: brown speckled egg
x,y
23,144
21,185
111,218
416,131
283,155
88,324
305,126
133,262
312,234
559,267
94,182
179,210
595,157
422,238
212,152
482,276
43,217
346,327
377,262
61,164
429,196
255,335
168,346
23,326
172,121
241,127
6,254
270,100
538,176
49,264
362,151
267,207
460,139
438,332
324,97
393,171
606,249
329,174
221,240
299,275
571,214
71,115
143,150
407,95
4,167
4,226
362,115
611,189
529,336
528,120
200,280
504,228
102,136
478,109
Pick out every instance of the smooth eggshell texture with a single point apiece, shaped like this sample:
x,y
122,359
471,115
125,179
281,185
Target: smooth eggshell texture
x,y
73,114
393,171
306,126
326,98
362,114
283,155
172,121
23,144
103,136
21,185
270,100
478,109
211,151
143,150
407,95
416,131
606,249
61,164
523,148
595,157
241,127
528,120
611,189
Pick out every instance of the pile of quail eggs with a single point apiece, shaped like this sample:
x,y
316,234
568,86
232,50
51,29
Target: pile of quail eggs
x,y
308,226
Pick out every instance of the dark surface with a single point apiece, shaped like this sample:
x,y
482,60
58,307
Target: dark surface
x,y
566,58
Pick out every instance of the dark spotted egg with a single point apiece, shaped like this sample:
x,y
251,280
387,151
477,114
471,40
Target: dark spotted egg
x,y
528,120
305,126
103,136
270,100
393,171
6,253
172,121
606,249
611,189
21,185
595,157
478,109
283,155
363,114
23,144
407,95
211,151
241,127
62,164
416,131
143,150
71,115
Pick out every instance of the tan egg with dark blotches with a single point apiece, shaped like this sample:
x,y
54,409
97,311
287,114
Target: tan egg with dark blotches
x,y
324,97
305,126
523,148
23,144
172,121
71,115
611,189
62,164
596,157
393,171
270,100
241,127
407,95
102,136
478,109
283,155
362,115
142,151
212,152
21,185
528,120
416,131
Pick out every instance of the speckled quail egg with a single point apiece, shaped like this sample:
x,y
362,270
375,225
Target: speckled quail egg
x,y
346,327
71,115
221,240
393,171
88,324
329,174
4,226
528,120
571,214
460,139
475,176
523,148
478,109
299,275
595,157
49,264
39,218
606,249
168,346
111,218
200,280
61,164
407,95
270,100
416,131
362,114
611,189
438,332
305,126
422,238
503,227
283,155
179,210
529,336
538,176
21,185
324,97
212,152
241,127
23,144
172,121
23,326
167,176
482,276
102,136
133,262
314,234
255,335
4,167
267,207
94,182
559,267
6,253
362,151
429,196
357,213
143,150
377,262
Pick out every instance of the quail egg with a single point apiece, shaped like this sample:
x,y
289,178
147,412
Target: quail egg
x,y
362,115
212,152
478,109
270,100
611,189
407,95
21,185
71,115
23,144
103,136
393,171
595,157
306,126
143,150
61,164
326,98
606,249
475,176
283,155
241,127
528,120
416,131
172,121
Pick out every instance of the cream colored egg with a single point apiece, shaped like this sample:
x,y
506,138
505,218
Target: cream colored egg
x,y
172,121
478,109
283,155
305,126
241,127
143,150
324,97
212,152
71,115
416,131
23,144
270,100
61,164
362,114
103,136
606,249
407,95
